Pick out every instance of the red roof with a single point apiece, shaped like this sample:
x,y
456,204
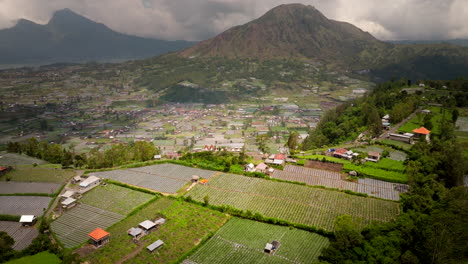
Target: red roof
x,y
341,151
3,168
98,233
280,156
421,130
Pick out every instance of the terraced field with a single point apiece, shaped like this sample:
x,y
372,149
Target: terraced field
x,y
23,205
38,174
166,178
242,241
376,188
291,202
116,199
73,227
28,187
23,236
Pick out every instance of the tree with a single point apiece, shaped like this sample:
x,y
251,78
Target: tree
x,y
293,141
6,246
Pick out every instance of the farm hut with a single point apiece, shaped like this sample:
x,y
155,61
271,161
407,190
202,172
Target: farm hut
x,y
28,220
353,173
270,248
67,194
157,157
76,179
90,182
422,132
99,237
160,221
147,225
195,178
68,203
135,232
373,156
155,245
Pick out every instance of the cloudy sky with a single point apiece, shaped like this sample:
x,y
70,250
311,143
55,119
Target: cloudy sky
x,y
201,19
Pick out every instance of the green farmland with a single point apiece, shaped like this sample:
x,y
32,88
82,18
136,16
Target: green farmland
x,y
294,203
186,226
116,199
242,241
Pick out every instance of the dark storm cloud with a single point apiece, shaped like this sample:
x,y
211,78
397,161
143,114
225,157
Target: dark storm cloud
x,y
201,19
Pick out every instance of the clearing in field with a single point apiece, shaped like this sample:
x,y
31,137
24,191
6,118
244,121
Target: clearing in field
x,y
242,241
376,188
114,198
38,174
292,202
13,159
73,227
23,236
28,187
40,258
24,205
166,178
187,225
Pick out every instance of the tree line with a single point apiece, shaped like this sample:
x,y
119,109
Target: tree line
x,y
115,155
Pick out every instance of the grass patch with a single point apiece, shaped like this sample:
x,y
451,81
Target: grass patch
x,y
38,174
395,143
40,258
114,198
387,164
376,173
187,225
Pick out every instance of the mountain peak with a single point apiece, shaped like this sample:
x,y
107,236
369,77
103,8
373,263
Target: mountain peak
x,y
67,17
289,31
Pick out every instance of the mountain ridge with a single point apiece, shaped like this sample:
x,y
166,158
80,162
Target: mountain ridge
x,y
70,37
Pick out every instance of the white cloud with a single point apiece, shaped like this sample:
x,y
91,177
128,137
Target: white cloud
x,y
200,19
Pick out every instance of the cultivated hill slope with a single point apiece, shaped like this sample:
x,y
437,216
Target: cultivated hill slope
x,y
299,31
69,37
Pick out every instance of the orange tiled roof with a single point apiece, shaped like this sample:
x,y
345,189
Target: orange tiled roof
x,y
421,130
98,233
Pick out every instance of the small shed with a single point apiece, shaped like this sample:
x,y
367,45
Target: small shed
x,y
262,167
271,247
67,194
76,179
250,167
155,245
90,182
373,156
157,157
28,220
68,203
99,237
204,181
147,225
195,178
135,232
160,221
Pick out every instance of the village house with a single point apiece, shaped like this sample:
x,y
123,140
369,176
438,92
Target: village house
x,y
422,132
68,203
99,237
262,167
250,167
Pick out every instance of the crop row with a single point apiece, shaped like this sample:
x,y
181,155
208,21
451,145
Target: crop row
x,y
294,203
73,227
313,172
23,205
242,241
22,236
28,187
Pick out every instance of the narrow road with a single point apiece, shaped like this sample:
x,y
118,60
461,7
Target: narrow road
x,y
394,128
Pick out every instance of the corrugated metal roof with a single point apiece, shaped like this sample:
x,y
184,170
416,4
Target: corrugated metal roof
x,y
155,245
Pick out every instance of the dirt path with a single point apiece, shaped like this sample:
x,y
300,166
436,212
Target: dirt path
x,y
57,199
131,255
